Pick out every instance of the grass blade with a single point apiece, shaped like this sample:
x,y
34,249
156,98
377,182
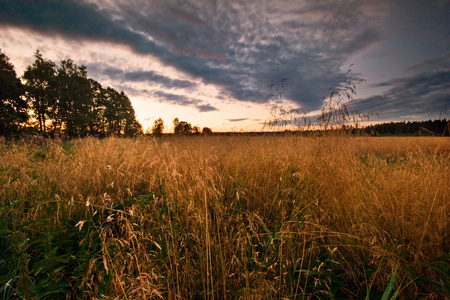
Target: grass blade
x,y
390,286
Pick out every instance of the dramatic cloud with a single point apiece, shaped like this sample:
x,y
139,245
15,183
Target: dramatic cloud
x,y
233,45
205,108
413,98
422,95
237,120
242,51
184,101
440,63
142,76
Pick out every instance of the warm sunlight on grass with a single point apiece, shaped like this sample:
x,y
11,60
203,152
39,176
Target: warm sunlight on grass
x,y
225,217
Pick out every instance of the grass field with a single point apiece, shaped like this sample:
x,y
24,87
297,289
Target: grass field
x,y
269,217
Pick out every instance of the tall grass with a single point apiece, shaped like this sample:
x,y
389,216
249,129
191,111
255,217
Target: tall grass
x,y
225,217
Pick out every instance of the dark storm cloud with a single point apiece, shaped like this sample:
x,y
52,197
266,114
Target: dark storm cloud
x,y
423,94
184,101
205,108
309,53
72,19
442,62
152,76
418,96
238,120
80,20
234,45
141,76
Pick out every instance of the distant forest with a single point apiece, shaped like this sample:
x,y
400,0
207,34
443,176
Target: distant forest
x,y
436,127
61,101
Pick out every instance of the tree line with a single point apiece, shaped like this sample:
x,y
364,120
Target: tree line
x,y
62,100
436,127
179,128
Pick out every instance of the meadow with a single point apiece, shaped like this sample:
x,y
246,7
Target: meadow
x,y
225,217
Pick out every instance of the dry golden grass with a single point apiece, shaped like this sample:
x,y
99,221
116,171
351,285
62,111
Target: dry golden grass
x,y
229,217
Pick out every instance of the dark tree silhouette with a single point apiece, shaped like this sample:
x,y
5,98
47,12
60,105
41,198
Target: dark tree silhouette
x,y
40,87
158,127
436,127
119,114
181,127
75,99
207,131
97,124
65,101
13,109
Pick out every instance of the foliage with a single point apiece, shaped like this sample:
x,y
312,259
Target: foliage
x,y
13,109
40,85
119,115
63,101
207,131
158,127
196,130
182,127
432,128
74,100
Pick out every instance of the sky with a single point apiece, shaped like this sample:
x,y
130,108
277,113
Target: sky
x,y
214,63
